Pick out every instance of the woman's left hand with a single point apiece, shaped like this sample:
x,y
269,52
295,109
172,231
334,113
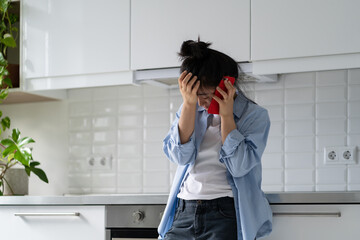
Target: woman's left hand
x,y
226,104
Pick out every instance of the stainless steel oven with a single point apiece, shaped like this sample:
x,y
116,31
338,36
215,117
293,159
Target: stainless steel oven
x,y
133,221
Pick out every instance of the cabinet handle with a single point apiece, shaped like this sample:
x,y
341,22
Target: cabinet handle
x,y
76,214
307,214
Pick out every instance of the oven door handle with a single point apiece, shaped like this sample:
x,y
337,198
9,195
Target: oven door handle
x,y
74,214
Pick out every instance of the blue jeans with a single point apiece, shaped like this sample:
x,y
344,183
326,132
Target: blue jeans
x,y
204,220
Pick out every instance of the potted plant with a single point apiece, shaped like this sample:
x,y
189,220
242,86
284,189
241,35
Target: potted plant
x,y
14,150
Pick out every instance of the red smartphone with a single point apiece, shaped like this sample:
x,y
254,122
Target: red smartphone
x,y
214,105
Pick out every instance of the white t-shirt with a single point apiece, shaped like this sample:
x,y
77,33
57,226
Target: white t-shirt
x,y
207,179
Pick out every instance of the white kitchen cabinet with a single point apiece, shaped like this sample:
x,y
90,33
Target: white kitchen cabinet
x,y
75,43
34,222
307,222
292,29
159,27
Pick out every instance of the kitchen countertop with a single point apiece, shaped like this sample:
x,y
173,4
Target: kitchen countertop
x,y
116,199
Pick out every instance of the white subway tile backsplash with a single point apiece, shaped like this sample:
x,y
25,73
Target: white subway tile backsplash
x,y
308,111
331,110
300,144
331,175
329,78
273,176
132,105
272,188
299,177
156,163
130,150
299,128
104,180
331,126
331,94
299,160
269,97
354,109
331,187
77,152
276,129
354,76
299,95
275,145
156,104
104,107
298,80
130,121
130,135
78,109
104,123
299,188
354,175
129,92
157,119
80,138
299,111
80,124
153,149
276,113
354,91
328,141
131,181
272,160
104,137
130,164
155,134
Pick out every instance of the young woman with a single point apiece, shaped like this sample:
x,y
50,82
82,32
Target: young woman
x,y
216,193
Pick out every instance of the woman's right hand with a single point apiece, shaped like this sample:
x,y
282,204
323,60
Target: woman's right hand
x,y
188,87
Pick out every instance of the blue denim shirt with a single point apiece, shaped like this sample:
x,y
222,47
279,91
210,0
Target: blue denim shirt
x,y
241,153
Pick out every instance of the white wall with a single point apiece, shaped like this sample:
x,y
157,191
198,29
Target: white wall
x,y
46,123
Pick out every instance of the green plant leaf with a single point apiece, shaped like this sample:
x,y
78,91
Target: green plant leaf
x,y
0,113
40,173
8,82
8,40
4,4
15,134
3,61
5,123
4,93
19,156
34,164
27,170
8,151
24,141
7,142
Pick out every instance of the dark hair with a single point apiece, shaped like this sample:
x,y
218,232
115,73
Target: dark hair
x,y
207,64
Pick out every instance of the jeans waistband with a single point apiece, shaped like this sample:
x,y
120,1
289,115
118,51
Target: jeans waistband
x,y
206,203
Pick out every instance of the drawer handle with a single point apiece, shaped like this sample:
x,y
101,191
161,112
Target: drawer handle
x,y
75,214
307,214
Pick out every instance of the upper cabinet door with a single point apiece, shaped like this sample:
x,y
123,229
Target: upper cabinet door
x,y
291,29
70,37
159,27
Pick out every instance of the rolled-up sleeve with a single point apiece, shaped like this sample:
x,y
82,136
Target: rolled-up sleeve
x,y
178,153
242,149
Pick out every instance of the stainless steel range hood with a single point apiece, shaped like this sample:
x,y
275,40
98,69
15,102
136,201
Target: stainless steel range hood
x,y
167,77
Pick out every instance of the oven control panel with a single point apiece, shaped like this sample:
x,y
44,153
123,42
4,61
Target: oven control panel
x,y
130,216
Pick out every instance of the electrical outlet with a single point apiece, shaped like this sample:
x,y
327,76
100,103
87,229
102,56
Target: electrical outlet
x,y
347,155
100,162
331,155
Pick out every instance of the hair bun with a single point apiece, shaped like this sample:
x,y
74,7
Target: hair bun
x,y
195,49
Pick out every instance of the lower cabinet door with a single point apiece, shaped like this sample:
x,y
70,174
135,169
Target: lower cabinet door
x,y
52,222
307,222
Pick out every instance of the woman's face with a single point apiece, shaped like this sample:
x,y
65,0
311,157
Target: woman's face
x,y
205,96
